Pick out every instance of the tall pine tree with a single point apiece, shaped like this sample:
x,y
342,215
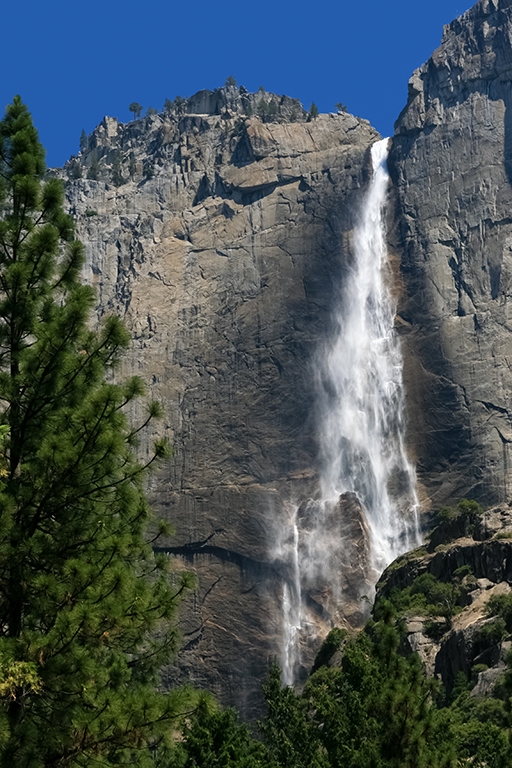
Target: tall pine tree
x,y
87,613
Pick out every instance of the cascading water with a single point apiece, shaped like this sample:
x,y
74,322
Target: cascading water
x,y
365,472
362,433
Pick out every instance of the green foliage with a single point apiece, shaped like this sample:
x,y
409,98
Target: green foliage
x,y
84,141
493,632
378,710
273,109
331,644
341,107
461,686
426,596
476,669
148,171
75,170
462,572
262,108
375,711
179,104
313,111
478,729
168,107
238,127
117,169
136,109
230,81
467,511
446,514
94,170
132,167
217,739
151,111
289,730
87,612
89,212
501,605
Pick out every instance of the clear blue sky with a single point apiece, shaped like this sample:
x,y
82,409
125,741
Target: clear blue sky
x,y
73,63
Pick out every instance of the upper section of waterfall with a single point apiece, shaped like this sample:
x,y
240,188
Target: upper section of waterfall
x,y
362,427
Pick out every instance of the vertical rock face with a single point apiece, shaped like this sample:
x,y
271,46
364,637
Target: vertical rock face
x,y
220,250
451,163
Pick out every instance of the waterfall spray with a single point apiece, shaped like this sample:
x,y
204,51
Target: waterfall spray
x,y
362,424
367,484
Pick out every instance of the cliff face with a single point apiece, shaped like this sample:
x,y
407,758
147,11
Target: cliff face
x,y
451,163
221,252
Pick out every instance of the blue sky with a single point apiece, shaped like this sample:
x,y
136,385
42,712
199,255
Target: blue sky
x,y
73,63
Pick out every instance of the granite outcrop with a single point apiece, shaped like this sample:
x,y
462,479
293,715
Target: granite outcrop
x,y
471,556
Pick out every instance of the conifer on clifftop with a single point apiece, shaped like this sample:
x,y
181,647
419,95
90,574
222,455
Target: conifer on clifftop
x,y
86,611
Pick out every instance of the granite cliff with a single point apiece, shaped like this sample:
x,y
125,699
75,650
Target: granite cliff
x,y
450,164
222,239
222,261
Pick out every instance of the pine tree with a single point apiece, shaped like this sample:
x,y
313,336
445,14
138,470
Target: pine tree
x,y
313,111
135,108
132,167
84,141
86,611
117,169
94,169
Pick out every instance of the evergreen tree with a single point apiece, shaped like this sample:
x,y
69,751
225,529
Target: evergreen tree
x,y
117,169
94,169
313,111
132,167
75,170
217,739
290,733
136,109
273,109
83,140
179,104
86,610
376,711
263,109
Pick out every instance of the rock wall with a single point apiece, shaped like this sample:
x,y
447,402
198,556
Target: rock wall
x,y
222,250
451,164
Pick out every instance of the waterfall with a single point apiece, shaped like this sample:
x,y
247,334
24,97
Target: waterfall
x,y
367,513
362,424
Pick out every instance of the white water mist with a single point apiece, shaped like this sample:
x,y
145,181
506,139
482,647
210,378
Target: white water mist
x,y
362,425
288,552
361,436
